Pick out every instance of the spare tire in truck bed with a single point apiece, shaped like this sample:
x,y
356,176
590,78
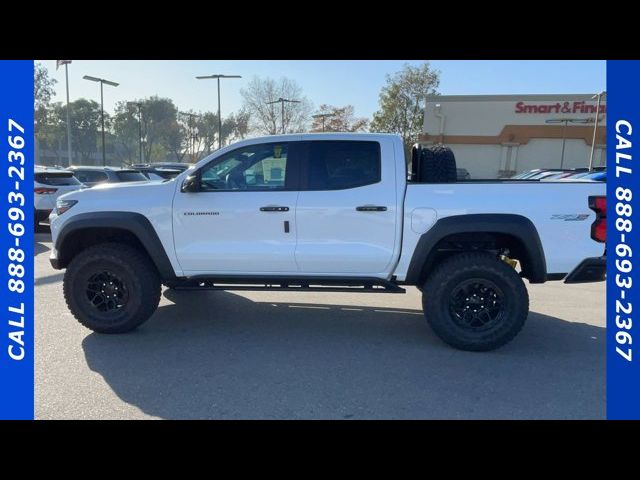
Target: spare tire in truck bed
x,y
435,164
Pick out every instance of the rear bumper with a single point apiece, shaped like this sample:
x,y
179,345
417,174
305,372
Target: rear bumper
x,y
590,270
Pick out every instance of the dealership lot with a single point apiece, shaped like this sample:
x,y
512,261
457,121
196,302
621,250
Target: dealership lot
x,y
278,355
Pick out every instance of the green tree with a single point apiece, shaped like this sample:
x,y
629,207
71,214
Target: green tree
x,y
339,119
206,128
44,90
53,133
126,133
162,132
85,127
235,127
402,101
159,124
177,138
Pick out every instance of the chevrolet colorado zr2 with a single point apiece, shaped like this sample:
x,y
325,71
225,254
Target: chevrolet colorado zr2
x,y
330,212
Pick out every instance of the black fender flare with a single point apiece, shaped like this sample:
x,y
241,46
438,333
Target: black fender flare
x,y
517,226
135,223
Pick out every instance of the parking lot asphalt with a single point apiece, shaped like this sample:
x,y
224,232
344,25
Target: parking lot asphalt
x,y
288,355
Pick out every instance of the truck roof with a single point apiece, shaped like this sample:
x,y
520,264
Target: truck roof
x,y
299,137
327,135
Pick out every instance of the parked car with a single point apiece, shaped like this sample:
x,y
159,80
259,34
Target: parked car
x,y
565,174
596,176
549,173
463,174
49,183
92,175
314,212
544,174
599,175
526,174
173,165
153,172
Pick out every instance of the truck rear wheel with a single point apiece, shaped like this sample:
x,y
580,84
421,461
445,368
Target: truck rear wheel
x,y
475,302
111,288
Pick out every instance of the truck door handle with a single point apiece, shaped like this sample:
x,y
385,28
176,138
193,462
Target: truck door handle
x,y
274,208
371,208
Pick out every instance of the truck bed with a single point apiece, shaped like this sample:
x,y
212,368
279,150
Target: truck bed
x,y
559,211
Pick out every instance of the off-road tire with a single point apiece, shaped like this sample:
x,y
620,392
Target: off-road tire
x,y
466,268
132,267
437,165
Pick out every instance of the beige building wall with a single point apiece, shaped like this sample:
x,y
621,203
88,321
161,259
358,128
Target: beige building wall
x,y
497,136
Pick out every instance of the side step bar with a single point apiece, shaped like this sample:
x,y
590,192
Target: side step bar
x,y
309,284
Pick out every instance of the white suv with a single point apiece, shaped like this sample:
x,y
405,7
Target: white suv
x,y
49,183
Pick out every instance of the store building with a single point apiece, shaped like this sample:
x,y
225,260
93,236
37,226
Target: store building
x,y
497,136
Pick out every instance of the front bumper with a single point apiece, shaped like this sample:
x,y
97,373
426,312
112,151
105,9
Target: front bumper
x,y
592,269
53,259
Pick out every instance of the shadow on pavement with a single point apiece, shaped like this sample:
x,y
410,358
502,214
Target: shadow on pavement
x,y
40,248
53,278
220,355
42,234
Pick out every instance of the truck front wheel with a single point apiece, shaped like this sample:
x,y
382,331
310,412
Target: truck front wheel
x,y
475,301
111,288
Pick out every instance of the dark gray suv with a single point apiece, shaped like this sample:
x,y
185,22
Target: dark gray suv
x,y
91,175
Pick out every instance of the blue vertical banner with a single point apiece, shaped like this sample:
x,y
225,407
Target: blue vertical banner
x,y
16,239
623,249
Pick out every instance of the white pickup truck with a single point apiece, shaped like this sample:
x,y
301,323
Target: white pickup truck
x,y
330,212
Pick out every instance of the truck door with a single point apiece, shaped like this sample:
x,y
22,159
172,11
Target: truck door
x,y
346,213
240,220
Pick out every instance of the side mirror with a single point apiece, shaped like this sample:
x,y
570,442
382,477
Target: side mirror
x,y
191,184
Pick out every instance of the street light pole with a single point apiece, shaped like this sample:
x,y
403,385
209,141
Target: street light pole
x,y
140,130
218,77
595,127
565,122
323,116
102,81
104,155
219,119
564,142
282,101
69,154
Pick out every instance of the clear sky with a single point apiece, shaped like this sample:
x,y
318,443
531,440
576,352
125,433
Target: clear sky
x,y
336,82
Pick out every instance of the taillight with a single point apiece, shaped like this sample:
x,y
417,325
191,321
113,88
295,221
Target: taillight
x,y
44,190
599,226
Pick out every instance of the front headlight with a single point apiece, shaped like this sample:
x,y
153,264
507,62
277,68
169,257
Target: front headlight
x,y
64,205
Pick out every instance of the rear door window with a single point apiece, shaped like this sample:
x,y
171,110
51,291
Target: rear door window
x,y
91,176
339,165
56,178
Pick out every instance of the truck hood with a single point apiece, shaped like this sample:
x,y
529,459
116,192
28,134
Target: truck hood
x,y
122,189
